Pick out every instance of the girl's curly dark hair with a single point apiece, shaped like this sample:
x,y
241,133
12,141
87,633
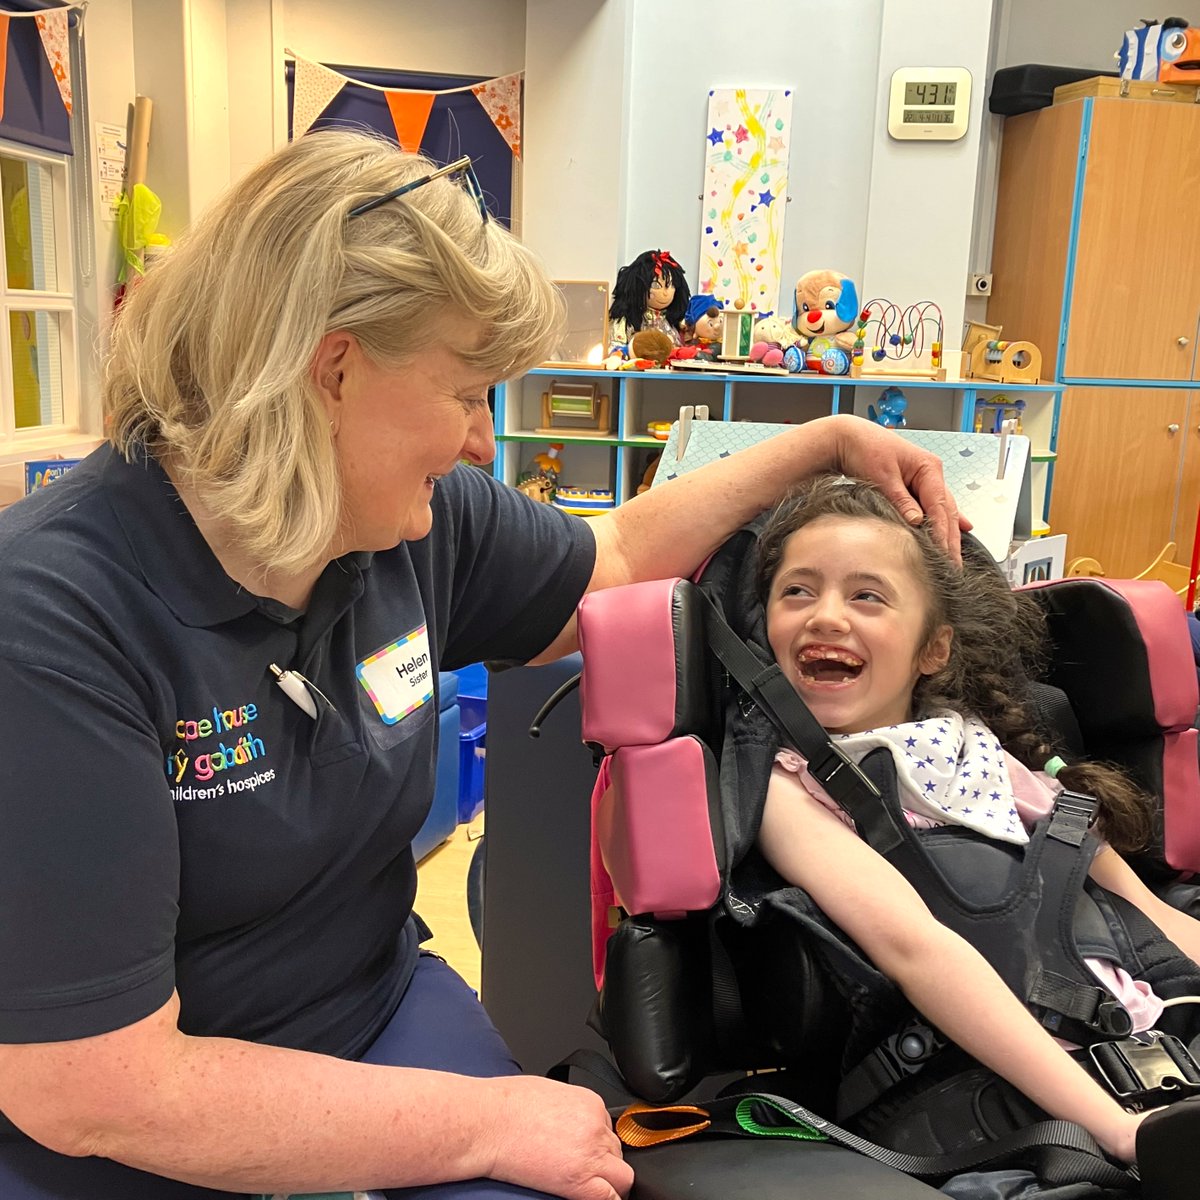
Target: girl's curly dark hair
x,y
631,292
999,643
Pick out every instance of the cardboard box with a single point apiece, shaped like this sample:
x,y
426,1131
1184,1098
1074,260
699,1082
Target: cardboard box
x,y
41,471
1037,560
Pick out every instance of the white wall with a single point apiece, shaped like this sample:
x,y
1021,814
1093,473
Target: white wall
x,y
1079,33
577,59
922,199
826,53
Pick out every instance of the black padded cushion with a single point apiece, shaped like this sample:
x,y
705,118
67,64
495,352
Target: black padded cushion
x,y
766,1169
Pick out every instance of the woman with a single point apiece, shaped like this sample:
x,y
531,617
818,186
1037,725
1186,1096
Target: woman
x,y
216,685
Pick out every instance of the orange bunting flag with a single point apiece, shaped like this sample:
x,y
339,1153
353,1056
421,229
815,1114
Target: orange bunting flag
x,y
52,25
410,114
501,100
3,58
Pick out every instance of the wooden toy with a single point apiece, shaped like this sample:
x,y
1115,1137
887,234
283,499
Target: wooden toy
x,y
985,356
737,332
580,409
584,502
1164,568
898,341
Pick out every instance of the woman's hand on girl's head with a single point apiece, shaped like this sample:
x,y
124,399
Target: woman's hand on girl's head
x,y
911,478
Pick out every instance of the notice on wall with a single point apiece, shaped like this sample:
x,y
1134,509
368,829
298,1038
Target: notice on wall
x,y
110,167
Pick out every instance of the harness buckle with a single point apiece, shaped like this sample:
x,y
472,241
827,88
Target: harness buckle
x,y
1146,1071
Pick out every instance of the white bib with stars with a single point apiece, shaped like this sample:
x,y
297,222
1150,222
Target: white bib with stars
x,y
950,769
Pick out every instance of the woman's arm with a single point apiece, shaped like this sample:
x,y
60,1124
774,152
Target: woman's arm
x,y
671,529
944,977
250,1118
1111,871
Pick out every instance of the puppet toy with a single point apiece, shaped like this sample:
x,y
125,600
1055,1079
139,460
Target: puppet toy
x,y
891,409
702,329
1167,51
826,306
650,293
772,338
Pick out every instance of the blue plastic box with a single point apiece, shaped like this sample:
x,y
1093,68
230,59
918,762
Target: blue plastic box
x,y
472,758
472,739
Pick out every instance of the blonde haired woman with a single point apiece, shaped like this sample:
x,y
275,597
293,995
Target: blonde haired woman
x,y
210,978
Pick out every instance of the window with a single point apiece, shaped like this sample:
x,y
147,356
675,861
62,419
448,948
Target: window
x,y
38,360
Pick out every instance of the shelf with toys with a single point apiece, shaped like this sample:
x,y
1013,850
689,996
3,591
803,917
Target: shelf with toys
x,y
592,434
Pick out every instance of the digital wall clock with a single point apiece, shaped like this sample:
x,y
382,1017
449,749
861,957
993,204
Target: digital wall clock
x,y
929,103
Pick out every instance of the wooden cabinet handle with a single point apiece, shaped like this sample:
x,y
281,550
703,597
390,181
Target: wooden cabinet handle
x,y
1173,427
1183,341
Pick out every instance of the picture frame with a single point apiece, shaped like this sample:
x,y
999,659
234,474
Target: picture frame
x,y
584,343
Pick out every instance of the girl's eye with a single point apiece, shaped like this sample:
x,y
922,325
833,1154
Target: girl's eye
x,y
794,589
874,597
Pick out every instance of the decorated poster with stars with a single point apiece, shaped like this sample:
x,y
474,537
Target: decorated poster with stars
x,y
745,195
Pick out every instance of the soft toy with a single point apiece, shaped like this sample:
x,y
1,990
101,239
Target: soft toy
x,y
891,409
650,293
772,337
1168,51
702,329
826,305
648,348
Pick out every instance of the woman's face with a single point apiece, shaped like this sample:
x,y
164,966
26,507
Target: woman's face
x,y
401,428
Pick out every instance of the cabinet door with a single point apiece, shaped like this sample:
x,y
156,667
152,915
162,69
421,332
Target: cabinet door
x,y
1116,480
1187,515
1137,268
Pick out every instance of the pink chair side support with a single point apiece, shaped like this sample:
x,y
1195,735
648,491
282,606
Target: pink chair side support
x,y
1151,612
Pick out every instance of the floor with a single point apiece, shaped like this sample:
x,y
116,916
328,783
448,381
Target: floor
x,y
442,900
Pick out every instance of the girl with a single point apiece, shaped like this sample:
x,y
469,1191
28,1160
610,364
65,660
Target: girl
x,y
879,632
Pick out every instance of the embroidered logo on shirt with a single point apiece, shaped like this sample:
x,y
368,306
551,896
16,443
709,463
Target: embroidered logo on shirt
x,y
233,749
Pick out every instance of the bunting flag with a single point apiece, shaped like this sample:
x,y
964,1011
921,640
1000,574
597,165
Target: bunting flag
x,y
52,25
3,58
410,114
501,100
315,86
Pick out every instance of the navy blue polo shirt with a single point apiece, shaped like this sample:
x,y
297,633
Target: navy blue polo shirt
x,y
170,818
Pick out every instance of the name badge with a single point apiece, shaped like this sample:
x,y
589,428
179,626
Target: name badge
x,y
399,678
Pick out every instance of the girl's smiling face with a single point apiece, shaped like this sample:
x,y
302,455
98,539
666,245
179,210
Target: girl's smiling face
x,y
847,616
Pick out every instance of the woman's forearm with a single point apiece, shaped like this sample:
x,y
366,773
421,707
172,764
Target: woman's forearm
x,y
252,1118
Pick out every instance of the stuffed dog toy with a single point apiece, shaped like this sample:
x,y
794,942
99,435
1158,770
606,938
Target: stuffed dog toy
x,y
826,306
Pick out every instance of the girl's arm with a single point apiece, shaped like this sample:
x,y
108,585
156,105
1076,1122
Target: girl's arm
x,y
1111,871
944,977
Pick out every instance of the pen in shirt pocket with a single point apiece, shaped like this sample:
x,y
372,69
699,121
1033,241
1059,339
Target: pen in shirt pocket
x,y
299,690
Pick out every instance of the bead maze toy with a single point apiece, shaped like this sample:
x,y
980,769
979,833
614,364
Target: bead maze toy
x,y
985,356
899,337
991,414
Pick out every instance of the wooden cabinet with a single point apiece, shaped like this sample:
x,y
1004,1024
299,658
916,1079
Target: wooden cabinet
x,y
1096,254
1096,260
1119,483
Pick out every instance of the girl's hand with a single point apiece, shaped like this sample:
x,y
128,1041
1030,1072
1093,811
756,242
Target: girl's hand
x,y
1119,1139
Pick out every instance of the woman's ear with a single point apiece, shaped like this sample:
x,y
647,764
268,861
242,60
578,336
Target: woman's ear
x,y
936,653
328,370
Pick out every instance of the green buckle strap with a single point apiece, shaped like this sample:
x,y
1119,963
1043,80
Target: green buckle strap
x,y
762,1117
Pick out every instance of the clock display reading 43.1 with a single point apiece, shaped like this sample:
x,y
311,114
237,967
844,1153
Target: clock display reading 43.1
x,y
929,103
